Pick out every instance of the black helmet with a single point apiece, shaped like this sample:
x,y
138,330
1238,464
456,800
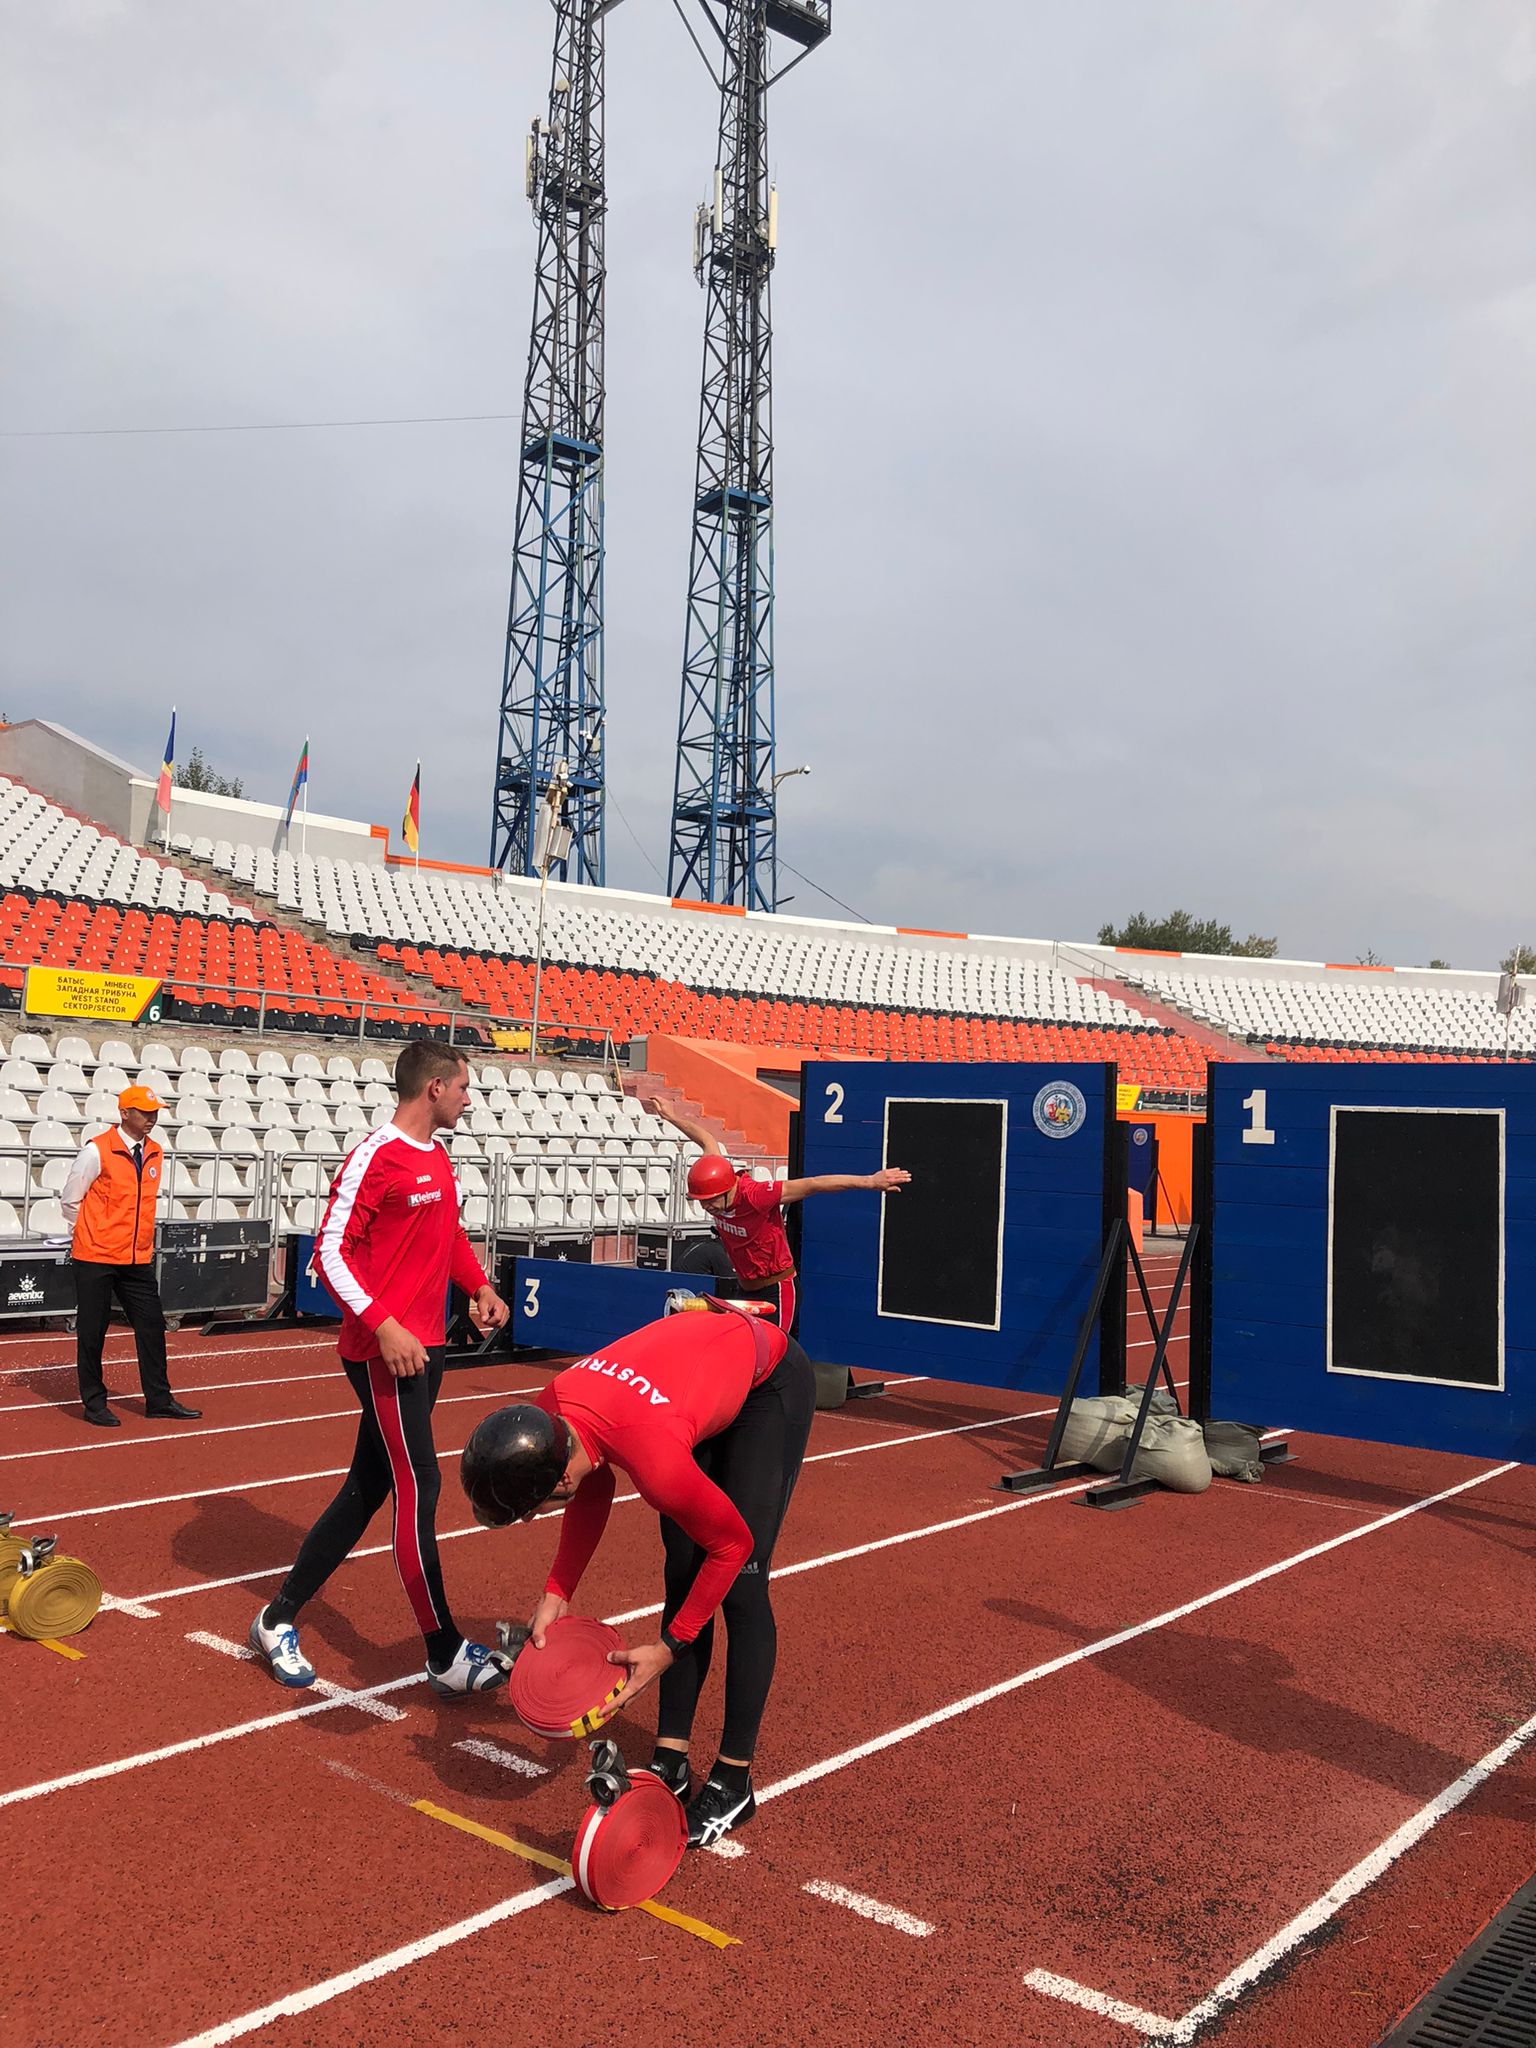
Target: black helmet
x,y
512,1463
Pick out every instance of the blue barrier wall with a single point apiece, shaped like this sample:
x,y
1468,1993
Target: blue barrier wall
x,y
1374,1275
563,1306
873,1294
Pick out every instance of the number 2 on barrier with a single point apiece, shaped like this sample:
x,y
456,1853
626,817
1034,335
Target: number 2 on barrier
x,y
531,1296
1258,1131
833,1113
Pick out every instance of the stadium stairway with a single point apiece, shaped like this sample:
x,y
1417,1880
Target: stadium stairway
x,y
1220,1045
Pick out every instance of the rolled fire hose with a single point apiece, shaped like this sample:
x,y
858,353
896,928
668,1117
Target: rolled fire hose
x,y
50,1596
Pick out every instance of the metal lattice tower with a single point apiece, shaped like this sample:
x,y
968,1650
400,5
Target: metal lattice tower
x,y
552,681
724,830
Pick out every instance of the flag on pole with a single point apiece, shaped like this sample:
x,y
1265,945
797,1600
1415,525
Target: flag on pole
x,y
410,827
163,792
300,777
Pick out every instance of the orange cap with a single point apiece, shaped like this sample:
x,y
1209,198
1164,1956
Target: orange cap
x,y
140,1098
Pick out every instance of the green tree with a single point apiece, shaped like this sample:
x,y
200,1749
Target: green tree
x,y
198,774
1439,963
1178,932
1521,961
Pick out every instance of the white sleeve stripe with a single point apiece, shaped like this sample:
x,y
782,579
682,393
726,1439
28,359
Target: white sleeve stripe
x,y
338,1275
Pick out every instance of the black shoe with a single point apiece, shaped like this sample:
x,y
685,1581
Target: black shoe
x,y
103,1418
174,1411
678,1779
716,1811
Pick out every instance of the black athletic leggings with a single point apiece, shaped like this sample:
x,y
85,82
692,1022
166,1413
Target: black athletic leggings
x,y
395,1455
755,1462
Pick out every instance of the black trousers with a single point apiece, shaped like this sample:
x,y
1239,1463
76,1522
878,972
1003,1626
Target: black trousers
x,y
138,1294
394,1455
755,1462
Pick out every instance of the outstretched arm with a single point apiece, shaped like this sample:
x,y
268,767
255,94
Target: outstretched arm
x,y
696,1132
881,1183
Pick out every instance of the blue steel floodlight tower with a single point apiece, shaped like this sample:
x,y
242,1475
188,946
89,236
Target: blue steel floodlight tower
x,y
724,834
552,681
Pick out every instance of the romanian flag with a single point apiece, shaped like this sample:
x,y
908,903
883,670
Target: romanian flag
x,y
163,793
410,825
300,777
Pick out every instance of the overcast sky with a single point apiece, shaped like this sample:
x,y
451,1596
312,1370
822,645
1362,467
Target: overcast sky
x,y
1156,430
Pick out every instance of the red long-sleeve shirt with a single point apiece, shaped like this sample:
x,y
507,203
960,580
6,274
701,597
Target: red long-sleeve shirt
x,y
390,1240
642,1404
752,1231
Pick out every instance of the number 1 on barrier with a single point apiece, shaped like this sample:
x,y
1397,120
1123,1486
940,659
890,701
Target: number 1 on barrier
x,y
1258,1131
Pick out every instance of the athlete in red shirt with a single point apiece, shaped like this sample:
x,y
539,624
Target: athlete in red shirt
x,y
389,1243
748,1214
708,1415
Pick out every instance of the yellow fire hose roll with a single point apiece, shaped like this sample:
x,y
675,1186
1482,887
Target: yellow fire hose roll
x,y
11,1549
51,1596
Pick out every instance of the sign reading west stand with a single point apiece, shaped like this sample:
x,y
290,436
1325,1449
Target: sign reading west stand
x,y
982,1269
1372,1253
108,998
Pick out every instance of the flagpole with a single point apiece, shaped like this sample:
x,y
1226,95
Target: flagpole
x,y
170,792
304,827
418,820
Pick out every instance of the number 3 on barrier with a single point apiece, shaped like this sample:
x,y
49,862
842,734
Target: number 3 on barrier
x,y
833,1113
1258,1131
531,1296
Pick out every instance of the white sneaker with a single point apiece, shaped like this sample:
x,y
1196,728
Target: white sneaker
x,y
476,1668
280,1647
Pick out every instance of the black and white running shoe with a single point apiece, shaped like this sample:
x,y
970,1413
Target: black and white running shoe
x,y
716,1811
677,1778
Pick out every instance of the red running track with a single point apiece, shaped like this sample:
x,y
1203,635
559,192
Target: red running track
x,y
1133,1818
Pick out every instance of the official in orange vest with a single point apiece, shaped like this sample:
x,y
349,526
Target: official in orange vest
x,y
109,1202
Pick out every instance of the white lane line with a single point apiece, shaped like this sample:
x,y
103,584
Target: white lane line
x,y
203,1387
334,1987
16,1372
160,1500
298,2002
111,1603
381,1710
181,1436
1070,1992
273,1720
90,1776
1103,1644
814,1564
867,1908
506,1759
727,1848
474,1529
1354,1881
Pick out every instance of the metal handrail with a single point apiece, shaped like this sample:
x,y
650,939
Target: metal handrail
x,y
551,1032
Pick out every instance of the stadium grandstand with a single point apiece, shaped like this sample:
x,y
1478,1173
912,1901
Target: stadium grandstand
x,y
251,941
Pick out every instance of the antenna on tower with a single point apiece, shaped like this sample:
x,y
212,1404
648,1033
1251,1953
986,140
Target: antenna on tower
x,y
552,675
724,809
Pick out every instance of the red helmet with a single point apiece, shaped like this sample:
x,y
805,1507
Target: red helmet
x,y
710,1175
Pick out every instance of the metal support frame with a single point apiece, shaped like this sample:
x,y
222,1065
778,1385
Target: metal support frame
x,y
1049,1471
552,702
1124,1491
724,842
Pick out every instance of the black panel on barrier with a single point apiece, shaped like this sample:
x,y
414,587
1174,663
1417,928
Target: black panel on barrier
x,y
1415,1245
941,1237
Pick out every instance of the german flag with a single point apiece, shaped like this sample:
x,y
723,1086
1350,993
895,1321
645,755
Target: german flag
x,y
410,825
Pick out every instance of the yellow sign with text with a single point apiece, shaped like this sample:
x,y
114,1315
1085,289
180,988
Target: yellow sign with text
x,y
1127,1095
111,998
